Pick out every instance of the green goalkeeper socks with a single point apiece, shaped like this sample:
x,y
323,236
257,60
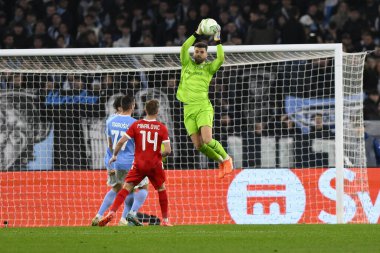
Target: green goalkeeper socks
x,y
217,148
210,153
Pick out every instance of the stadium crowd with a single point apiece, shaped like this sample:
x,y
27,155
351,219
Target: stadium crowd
x,y
129,23
123,23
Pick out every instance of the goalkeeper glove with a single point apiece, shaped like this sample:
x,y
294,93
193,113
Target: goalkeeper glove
x,y
217,34
199,30
164,159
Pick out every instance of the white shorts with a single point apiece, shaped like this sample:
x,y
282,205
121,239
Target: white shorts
x,y
119,177
116,178
143,182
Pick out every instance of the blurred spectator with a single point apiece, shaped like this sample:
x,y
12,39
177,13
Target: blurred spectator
x,y
286,127
331,33
18,16
82,28
236,17
370,75
53,30
88,39
329,7
310,19
3,24
264,9
163,8
137,19
106,39
166,30
354,25
63,12
50,10
367,42
341,17
370,10
64,32
119,23
31,20
90,23
147,41
16,82
147,29
125,40
40,31
19,36
192,22
204,11
284,8
219,7
181,35
371,106
8,41
60,42
230,31
224,18
38,42
319,130
182,9
259,32
293,31
348,46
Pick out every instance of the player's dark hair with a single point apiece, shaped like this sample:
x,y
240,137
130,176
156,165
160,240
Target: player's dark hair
x,y
117,103
127,102
201,45
152,107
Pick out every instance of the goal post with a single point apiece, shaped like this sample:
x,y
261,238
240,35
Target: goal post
x,y
290,116
339,147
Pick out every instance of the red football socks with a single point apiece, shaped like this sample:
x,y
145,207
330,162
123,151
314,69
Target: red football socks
x,y
163,198
120,197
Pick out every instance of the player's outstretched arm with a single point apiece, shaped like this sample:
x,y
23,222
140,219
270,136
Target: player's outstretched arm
x,y
215,65
118,147
185,55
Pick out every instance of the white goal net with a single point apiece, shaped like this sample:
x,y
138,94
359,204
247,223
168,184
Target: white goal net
x,y
275,113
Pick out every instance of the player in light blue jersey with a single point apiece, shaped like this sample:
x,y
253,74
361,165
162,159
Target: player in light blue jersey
x,y
116,127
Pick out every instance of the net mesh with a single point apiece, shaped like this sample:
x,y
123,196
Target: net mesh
x,y
274,114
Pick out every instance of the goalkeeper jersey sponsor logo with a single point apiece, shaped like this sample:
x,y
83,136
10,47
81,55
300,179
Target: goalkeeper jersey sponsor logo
x,y
199,73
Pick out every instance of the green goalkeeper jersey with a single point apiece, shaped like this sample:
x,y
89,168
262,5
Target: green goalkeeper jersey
x,y
195,78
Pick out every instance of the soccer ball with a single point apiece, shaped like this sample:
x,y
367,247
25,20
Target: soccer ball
x,y
209,26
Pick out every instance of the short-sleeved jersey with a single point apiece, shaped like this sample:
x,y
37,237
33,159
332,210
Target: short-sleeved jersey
x,y
148,136
195,78
108,154
115,129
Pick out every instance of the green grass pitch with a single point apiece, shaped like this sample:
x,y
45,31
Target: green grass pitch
x,y
194,239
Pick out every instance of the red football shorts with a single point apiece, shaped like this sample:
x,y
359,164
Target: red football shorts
x,y
156,175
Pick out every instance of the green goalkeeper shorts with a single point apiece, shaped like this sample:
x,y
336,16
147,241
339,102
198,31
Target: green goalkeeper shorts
x,y
197,116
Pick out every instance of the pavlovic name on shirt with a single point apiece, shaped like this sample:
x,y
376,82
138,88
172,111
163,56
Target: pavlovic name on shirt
x,y
149,126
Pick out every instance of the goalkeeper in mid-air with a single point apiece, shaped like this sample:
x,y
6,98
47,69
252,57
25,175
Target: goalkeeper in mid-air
x,y
193,93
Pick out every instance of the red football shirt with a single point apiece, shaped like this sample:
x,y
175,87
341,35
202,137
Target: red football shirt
x,y
148,136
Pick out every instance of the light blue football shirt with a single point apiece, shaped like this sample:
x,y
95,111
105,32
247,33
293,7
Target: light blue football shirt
x,y
116,127
108,154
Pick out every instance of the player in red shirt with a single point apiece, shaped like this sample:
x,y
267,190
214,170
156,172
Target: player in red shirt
x,y
148,134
